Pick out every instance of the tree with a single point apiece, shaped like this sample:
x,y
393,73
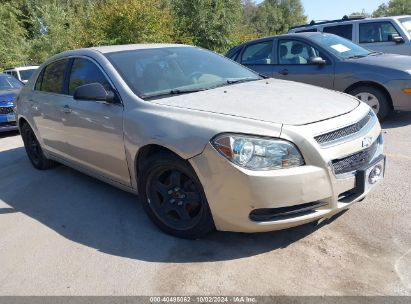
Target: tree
x,y
276,16
12,37
57,26
394,8
363,13
131,21
381,11
208,23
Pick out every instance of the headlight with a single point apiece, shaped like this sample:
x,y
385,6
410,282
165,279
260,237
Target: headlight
x,y
256,153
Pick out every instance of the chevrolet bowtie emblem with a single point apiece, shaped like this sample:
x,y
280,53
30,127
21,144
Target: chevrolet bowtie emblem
x,y
366,142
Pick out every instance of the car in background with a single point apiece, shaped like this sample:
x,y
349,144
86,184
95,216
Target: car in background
x,y
22,73
384,34
9,88
383,81
205,142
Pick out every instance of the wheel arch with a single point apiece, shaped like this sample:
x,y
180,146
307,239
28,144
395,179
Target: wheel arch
x,y
147,151
370,84
21,121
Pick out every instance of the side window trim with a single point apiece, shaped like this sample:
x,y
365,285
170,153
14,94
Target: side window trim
x,y
67,74
39,80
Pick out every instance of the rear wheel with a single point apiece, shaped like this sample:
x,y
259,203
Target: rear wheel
x,y
375,98
173,197
34,150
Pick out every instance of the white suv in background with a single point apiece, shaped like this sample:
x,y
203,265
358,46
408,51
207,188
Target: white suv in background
x,y
385,34
22,73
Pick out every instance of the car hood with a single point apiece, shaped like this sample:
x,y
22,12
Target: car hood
x,y
270,100
7,97
392,61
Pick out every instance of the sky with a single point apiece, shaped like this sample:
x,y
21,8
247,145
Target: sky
x,y
336,9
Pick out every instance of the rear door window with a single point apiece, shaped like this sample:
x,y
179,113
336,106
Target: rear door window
x,y
372,32
344,30
53,77
258,53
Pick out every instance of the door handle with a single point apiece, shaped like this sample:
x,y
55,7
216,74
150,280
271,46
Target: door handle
x,y
66,109
283,72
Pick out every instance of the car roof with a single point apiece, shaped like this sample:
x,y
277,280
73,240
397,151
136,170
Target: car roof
x,y
344,20
21,68
131,47
289,35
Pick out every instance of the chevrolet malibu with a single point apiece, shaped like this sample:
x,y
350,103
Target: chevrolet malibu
x,y
206,143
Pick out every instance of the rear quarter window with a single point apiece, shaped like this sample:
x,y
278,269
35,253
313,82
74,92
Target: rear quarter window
x,y
344,30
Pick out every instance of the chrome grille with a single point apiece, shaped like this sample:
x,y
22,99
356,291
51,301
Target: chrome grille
x,y
344,132
6,110
356,161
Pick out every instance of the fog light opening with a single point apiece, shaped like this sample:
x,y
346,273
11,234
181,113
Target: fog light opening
x,y
375,174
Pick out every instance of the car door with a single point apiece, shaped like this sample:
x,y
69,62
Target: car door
x,y
377,36
258,56
293,63
94,129
46,103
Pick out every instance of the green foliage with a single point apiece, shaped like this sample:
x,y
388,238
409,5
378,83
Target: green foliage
x,y
210,24
381,11
363,13
394,8
33,30
276,16
57,27
131,21
12,37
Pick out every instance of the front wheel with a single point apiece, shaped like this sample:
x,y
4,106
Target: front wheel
x,y
375,98
173,197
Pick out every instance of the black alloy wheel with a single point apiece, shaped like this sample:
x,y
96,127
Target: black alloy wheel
x,y
174,198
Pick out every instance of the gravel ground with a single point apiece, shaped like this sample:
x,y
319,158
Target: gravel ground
x,y
64,233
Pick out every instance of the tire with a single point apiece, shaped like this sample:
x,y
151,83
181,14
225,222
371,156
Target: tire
x,y
375,98
173,197
34,150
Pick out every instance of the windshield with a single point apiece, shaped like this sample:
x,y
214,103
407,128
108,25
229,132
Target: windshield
x,y
176,70
9,83
406,22
340,47
26,74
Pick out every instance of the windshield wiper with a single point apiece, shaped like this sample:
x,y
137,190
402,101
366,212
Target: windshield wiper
x,y
356,56
171,92
234,81
375,53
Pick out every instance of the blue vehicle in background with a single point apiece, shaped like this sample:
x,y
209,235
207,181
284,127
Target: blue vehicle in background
x,y
9,88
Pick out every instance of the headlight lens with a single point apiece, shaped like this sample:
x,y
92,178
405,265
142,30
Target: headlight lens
x,y
256,153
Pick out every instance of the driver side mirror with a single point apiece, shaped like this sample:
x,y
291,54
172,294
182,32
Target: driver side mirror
x,y
395,38
316,61
94,91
